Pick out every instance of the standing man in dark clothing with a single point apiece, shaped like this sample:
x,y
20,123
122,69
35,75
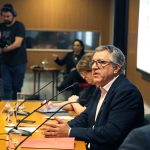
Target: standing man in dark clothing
x,y
13,49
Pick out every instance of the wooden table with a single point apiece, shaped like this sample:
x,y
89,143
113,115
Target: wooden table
x,y
79,145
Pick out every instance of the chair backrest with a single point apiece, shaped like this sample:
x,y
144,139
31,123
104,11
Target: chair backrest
x,y
84,84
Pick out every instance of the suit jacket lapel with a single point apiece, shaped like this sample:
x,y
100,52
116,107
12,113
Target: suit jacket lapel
x,y
93,107
109,95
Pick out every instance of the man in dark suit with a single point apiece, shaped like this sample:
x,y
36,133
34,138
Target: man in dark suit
x,y
113,114
138,139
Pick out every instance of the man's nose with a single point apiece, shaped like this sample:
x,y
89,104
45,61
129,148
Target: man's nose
x,y
94,65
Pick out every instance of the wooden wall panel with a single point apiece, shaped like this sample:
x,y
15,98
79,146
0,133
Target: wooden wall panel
x,y
81,15
40,56
64,14
132,73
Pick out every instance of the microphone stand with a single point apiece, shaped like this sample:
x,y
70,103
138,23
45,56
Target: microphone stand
x,y
43,123
27,133
36,92
26,113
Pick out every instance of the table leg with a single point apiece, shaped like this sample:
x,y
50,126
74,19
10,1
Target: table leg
x,y
34,81
53,84
38,83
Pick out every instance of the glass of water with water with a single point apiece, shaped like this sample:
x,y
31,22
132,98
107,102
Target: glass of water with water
x,y
14,139
20,99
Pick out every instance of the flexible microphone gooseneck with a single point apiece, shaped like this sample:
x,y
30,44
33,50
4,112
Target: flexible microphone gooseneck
x,y
36,93
27,133
43,123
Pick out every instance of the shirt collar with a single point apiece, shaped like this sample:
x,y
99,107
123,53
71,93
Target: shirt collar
x,y
108,85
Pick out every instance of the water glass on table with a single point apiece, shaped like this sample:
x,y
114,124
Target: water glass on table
x,y
20,99
11,119
14,139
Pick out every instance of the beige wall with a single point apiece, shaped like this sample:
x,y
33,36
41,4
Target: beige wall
x,y
133,75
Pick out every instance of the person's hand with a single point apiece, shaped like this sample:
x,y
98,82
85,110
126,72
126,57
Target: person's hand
x,y
44,101
73,98
4,49
55,56
1,50
59,129
46,106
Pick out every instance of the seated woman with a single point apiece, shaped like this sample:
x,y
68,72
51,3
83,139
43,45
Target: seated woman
x,y
71,60
85,71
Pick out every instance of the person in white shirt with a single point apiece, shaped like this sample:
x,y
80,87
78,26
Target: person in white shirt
x,y
113,114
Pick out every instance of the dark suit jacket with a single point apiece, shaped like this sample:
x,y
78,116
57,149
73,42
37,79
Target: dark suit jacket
x,y
138,139
121,111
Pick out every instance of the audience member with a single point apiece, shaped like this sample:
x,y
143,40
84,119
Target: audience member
x,y
138,139
12,46
108,120
71,60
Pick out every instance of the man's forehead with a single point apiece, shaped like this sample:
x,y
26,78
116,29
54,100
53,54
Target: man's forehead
x,y
8,13
101,55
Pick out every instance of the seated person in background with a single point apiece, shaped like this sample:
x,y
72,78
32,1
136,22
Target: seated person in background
x,y
88,93
138,139
71,60
111,115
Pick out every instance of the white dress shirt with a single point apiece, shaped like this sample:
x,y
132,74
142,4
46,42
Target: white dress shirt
x,y
104,91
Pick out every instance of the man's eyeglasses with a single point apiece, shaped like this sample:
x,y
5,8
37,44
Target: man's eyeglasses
x,y
100,63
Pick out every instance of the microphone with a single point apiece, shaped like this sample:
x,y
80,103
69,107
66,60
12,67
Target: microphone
x,y
24,113
27,133
44,122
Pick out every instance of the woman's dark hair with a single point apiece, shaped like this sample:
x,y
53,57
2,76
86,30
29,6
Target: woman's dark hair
x,y
81,43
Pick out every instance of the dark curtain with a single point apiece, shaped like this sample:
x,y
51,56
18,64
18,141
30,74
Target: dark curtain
x,y
121,24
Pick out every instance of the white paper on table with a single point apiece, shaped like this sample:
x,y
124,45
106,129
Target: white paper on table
x,y
30,129
62,117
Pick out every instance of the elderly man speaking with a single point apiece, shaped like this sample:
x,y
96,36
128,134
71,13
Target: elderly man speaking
x,y
113,114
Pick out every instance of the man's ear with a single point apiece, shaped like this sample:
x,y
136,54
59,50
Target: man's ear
x,y
116,68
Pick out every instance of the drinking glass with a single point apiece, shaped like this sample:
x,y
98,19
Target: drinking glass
x,y
14,139
10,118
45,63
8,115
20,99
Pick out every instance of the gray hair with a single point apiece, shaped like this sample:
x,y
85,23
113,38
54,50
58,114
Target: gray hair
x,y
117,56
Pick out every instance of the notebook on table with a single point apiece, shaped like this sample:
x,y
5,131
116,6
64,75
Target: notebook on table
x,y
66,143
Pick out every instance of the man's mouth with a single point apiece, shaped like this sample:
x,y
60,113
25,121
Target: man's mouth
x,y
95,74
7,22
